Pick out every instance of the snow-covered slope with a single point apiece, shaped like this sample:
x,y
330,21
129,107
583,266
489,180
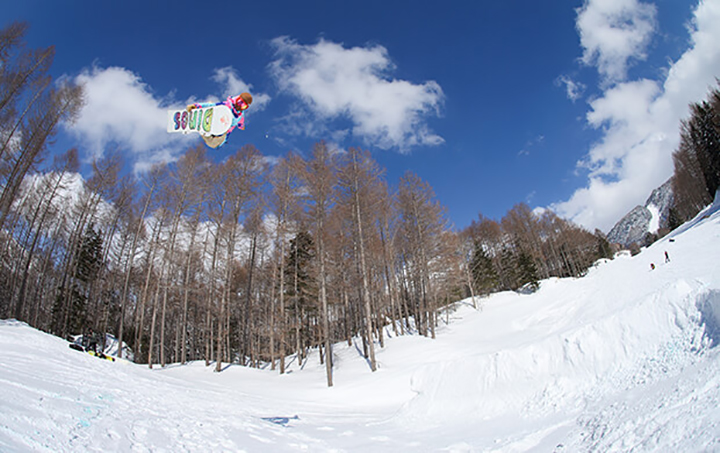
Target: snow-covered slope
x,y
623,359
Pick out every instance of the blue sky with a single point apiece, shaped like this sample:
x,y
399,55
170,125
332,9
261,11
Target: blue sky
x,y
568,105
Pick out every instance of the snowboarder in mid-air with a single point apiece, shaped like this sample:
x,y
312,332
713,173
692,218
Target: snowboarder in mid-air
x,y
238,105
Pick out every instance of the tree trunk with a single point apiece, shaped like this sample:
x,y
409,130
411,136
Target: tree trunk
x,y
129,266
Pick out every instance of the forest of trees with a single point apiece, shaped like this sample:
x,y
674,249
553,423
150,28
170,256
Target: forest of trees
x,y
239,261
525,247
242,261
697,160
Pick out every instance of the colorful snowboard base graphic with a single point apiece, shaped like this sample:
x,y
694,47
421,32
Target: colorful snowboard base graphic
x,y
214,120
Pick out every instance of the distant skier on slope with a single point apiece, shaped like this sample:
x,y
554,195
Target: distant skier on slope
x,y
238,105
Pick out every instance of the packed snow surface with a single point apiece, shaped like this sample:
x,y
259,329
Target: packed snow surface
x,y
623,359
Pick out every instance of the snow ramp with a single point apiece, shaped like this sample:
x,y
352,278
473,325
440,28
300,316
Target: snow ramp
x,y
576,341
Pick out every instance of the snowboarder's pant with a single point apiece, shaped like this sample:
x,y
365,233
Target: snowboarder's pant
x,y
215,141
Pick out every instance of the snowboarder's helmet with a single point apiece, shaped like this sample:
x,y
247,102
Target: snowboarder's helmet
x,y
244,98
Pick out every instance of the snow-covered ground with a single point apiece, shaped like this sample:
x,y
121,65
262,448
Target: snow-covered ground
x,y
623,359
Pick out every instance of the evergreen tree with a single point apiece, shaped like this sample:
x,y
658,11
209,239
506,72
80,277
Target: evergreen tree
x,y
697,159
300,286
508,269
78,318
301,291
90,256
703,130
649,239
674,219
89,263
69,312
604,250
527,271
485,277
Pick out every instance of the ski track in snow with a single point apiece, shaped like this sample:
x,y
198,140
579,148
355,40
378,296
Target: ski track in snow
x,y
623,359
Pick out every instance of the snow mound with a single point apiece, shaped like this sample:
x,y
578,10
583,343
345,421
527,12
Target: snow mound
x,y
558,370
621,326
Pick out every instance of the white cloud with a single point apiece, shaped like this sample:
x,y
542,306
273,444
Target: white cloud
x,y
612,32
640,123
335,82
573,89
629,117
121,111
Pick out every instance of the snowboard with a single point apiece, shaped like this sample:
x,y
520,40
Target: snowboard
x,y
99,355
215,120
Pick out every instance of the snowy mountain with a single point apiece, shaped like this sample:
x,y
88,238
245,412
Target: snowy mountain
x,y
644,219
623,359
